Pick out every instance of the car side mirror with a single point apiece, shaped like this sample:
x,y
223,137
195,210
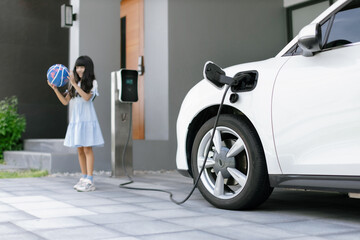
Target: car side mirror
x,y
309,39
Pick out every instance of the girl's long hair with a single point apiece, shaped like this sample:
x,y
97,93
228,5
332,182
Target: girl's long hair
x,y
88,76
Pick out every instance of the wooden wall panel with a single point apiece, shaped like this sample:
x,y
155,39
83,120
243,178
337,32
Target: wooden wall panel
x,y
133,10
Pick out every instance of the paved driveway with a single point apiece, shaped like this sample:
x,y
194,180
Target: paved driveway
x,y
48,208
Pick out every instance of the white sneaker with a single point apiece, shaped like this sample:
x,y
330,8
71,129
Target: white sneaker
x,y
86,186
79,183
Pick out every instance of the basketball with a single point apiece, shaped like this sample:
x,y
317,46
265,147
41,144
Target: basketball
x,y
58,75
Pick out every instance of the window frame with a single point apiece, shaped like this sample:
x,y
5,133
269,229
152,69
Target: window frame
x,y
330,27
290,9
331,17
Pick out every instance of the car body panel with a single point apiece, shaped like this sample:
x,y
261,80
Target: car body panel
x,y
316,113
255,105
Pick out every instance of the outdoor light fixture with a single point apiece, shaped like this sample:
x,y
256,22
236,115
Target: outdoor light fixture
x,y
67,16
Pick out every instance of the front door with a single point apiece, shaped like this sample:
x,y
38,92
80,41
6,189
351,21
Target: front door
x,y
316,104
132,19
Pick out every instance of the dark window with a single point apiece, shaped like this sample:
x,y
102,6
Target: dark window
x,y
123,42
345,28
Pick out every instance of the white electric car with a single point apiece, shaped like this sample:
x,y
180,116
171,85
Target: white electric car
x,y
293,121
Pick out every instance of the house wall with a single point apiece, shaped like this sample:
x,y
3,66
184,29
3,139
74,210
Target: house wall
x,y
31,41
226,32
153,152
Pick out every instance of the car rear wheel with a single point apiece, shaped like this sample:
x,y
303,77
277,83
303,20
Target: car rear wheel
x,y
235,174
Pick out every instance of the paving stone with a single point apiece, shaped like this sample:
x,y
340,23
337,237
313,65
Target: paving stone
x,y
309,238
154,194
348,236
115,194
14,216
160,205
59,212
9,228
114,219
253,231
184,235
123,238
7,208
136,199
264,217
118,208
204,222
148,227
52,223
350,221
24,199
73,195
172,213
197,203
25,235
27,193
41,205
91,202
79,233
5,194
313,227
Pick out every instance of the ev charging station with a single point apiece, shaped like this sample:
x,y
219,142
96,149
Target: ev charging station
x,y
124,91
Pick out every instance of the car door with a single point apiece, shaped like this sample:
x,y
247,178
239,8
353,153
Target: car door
x,y
316,103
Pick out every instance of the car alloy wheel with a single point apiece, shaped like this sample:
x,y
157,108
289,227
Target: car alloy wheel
x,y
235,174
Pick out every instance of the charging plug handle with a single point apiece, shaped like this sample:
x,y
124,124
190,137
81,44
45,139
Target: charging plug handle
x,y
226,80
213,73
242,82
216,75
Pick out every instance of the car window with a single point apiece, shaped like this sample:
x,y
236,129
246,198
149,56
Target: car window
x,y
345,28
324,27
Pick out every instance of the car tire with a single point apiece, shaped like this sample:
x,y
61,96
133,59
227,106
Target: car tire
x,y
235,175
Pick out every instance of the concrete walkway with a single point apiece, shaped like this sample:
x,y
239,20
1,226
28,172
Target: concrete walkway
x,y
48,208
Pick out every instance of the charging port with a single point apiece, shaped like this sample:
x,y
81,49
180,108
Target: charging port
x,y
245,81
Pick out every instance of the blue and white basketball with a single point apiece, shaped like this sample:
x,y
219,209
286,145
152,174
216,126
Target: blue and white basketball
x,y
58,75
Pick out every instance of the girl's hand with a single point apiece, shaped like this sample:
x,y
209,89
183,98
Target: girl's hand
x,y
51,85
72,78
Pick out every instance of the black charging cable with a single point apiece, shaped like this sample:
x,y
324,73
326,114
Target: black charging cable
x,y
125,147
123,185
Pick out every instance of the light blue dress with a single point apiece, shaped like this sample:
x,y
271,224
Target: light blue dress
x,y
84,129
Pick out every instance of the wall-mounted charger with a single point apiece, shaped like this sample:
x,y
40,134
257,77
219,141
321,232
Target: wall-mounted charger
x,y
127,83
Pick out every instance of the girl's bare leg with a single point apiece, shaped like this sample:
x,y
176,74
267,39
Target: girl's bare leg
x,y
89,160
82,160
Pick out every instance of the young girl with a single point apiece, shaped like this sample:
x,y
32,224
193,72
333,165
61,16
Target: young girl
x,y
83,130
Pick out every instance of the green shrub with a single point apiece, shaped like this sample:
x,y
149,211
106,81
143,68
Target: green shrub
x,y
12,125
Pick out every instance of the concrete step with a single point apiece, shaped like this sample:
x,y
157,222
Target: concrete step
x,y
47,146
27,159
52,162
6,168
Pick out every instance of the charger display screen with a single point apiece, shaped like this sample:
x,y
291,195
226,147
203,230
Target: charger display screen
x,y
129,85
